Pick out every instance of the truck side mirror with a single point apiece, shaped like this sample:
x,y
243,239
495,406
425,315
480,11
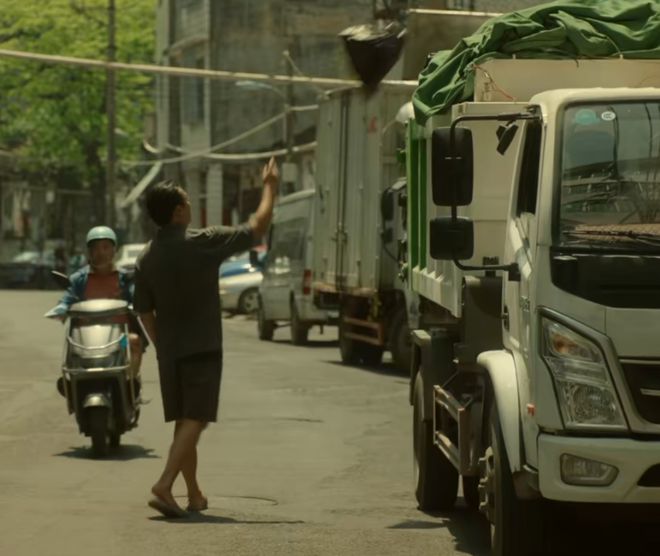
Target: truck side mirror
x,y
452,174
451,239
505,136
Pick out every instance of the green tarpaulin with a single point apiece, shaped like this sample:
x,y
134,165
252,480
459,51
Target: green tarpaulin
x,y
578,29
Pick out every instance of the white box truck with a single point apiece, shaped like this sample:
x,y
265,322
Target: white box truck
x,y
357,216
360,210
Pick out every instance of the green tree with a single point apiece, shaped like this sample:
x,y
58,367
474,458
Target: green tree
x,y
53,116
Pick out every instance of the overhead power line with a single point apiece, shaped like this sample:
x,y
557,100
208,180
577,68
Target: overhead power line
x,y
210,151
323,82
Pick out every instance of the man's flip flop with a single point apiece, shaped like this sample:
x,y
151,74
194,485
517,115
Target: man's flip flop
x,y
166,509
189,508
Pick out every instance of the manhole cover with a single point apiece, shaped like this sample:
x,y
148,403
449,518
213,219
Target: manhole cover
x,y
237,501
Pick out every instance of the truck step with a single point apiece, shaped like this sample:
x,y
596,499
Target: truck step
x,y
460,456
366,331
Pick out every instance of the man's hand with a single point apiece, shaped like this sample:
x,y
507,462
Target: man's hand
x,y
261,219
271,175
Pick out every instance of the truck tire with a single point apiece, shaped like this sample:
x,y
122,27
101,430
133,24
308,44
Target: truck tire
x,y
436,479
265,328
471,492
515,525
97,419
400,341
299,330
348,349
370,355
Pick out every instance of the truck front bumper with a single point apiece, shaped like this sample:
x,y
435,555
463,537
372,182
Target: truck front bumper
x,y
632,459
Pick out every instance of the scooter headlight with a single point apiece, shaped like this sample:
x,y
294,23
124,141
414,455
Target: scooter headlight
x,y
587,397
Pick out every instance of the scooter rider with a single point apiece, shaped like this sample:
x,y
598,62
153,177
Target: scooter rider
x,y
101,280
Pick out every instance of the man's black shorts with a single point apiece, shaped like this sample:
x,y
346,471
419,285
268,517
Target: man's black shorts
x,y
190,386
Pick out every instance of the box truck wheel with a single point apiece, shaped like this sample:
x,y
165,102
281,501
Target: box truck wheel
x,y
348,348
265,328
370,355
436,479
400,341
299,330
515,525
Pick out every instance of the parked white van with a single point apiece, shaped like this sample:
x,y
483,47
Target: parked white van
x,y
285,293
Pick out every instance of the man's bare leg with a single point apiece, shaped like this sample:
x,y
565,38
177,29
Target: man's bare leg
x,y
196,500
136,354
186,436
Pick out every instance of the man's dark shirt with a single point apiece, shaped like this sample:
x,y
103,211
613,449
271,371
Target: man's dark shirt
x,y
177,277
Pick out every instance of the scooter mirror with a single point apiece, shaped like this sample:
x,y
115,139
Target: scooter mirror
x,y
60,279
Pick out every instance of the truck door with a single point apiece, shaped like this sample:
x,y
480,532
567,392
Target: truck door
x,y
520,247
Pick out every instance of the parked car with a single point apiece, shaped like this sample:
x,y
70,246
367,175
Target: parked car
x,y
285,294
239,283
127,255
240,264
29,269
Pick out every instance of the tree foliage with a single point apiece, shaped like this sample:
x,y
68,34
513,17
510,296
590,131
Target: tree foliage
x,y
54,116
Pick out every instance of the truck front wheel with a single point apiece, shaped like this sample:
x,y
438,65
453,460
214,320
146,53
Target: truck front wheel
x,y
436,479
515,525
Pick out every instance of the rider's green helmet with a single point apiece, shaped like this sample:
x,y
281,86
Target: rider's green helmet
x,y
101,232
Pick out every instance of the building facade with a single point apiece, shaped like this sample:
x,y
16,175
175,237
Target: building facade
x,y
210,117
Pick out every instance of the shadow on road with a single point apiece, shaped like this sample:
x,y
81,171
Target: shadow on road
x,y
196,518
387,369
311,343
567,538
607,538
467,527
125,452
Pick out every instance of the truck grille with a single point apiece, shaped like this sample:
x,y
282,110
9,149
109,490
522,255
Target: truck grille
x,y
644,382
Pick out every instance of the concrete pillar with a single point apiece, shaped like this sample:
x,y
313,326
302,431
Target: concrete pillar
x,y
214,195
194,189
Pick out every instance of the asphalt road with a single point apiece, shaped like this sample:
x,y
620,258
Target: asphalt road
x,y
310,458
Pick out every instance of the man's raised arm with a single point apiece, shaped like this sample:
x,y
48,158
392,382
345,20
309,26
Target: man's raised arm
x,y
261,218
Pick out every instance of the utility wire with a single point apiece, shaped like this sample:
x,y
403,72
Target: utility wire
x,y
327,82
195,154
209,152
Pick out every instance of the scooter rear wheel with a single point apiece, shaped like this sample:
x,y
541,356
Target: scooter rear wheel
x,y
98,430
115,440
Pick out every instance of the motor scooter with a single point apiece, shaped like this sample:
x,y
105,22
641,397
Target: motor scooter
x,y
96,369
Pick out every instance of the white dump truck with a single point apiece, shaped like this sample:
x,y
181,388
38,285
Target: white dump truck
x,y
534,247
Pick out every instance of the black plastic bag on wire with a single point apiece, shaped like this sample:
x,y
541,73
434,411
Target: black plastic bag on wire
x,y
373,50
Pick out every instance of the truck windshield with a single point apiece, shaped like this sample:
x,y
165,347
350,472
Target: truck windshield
x,y
610,175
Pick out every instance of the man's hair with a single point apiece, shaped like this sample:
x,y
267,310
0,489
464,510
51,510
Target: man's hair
x,y
162,199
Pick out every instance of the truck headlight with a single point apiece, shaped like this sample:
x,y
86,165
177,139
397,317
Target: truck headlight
x,y
587,397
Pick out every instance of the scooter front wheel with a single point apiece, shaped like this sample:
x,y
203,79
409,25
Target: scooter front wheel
x,y
98,430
